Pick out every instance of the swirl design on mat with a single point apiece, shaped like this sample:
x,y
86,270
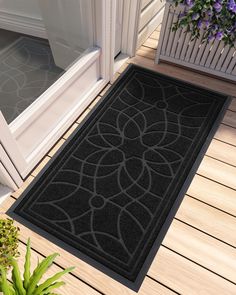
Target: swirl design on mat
x,y
27,69
116,180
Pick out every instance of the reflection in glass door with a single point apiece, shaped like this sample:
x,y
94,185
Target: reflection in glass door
x,y
78,51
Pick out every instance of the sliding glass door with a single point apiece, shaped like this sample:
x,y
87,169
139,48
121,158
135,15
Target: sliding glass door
x,y
75,66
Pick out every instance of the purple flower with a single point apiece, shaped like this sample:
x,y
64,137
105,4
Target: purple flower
x,y
195,16
190,2
234,8
219,35
210,38
209,12
217,6
199,24
207,23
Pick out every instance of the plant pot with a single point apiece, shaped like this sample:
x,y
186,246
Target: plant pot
x,y
176,47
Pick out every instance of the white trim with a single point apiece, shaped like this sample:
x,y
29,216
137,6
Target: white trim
x,y
131,18
22,24
150,27
6,179
5,192
9,144
7,163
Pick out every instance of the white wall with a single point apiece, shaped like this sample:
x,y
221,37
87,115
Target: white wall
x,y
29,8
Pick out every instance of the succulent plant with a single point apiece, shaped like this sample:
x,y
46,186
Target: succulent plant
x,y
8,242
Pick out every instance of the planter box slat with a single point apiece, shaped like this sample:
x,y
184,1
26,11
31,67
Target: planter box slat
x,y
186,37
177,47
227,60
212,54
200,53
222,58
217,56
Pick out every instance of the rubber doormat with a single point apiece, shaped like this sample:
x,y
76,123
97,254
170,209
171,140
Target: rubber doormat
x,y
27,69
112,190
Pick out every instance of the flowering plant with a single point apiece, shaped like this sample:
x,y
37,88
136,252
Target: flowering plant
x,y
216,17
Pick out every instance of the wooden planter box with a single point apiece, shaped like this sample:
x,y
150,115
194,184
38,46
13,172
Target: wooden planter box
x,y
177,47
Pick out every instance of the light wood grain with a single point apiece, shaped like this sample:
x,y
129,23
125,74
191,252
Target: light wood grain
x,y
218,171
151,43
25,184
40,166
222,151
155,35
147,52
203,249
230,118
187,277
70,130
232,105
213,193
210,220
226,134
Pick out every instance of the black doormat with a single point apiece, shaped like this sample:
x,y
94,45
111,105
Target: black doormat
x,y
112,190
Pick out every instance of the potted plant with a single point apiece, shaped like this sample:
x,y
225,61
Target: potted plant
x,y
29,284
9,242
200,34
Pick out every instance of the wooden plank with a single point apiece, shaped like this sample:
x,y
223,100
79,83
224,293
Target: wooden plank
x,y
70,130
151,43
232,105
226,134
155,35
40,166
186,277
208,219
213,193
147,52
218,171
56,147
222,151
230,118
203,249
20,190
84,271
72,283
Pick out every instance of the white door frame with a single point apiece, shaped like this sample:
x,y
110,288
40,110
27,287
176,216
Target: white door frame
x,y
94,67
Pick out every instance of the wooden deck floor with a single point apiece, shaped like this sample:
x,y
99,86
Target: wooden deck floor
x,y
198,254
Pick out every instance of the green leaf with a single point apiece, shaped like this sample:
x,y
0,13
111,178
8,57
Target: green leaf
x,y
52,287
27,266
39,272
51,280
17,281
5,286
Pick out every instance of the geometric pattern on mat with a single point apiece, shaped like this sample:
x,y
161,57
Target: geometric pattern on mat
x,y
27,69
110,189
